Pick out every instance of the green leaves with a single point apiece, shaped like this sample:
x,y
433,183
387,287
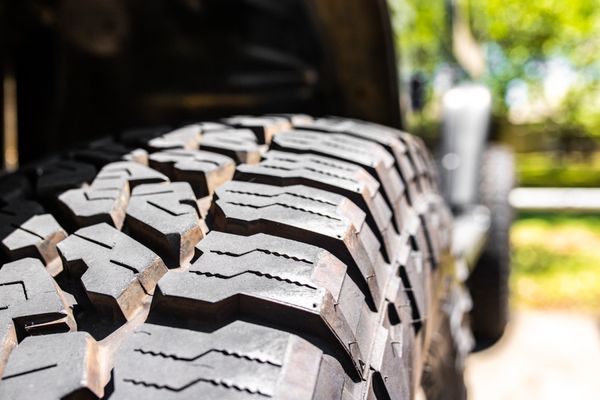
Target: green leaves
x,y
524,42
540,32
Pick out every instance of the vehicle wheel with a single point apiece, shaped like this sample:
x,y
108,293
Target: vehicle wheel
x,y
151,266
488,282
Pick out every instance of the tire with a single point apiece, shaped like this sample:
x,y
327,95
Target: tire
x,y
489,281
278,256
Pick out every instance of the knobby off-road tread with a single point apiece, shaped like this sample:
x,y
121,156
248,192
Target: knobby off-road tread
x,y
238,144
285,282
186,137
310,276
264,128
372,157
203,170
30,303
412,161
26,231
307,215
116,272
61,366
221,365
165,217
346,179
105,200
408,151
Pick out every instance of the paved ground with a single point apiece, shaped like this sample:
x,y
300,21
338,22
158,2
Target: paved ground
x,y
544,355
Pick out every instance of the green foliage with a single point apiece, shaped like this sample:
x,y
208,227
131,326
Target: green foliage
x,y
584,222
521,36
424,44
529,30
422,34
547,170
523,42
556,261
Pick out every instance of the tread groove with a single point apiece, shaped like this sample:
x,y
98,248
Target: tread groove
x,y
329,203
272,253
214,382
31,371
257,273
285,206
20,283
224,352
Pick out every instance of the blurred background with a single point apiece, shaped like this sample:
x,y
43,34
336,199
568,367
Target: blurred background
x,y
542,63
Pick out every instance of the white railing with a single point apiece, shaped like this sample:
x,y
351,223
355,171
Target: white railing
x,y
555,199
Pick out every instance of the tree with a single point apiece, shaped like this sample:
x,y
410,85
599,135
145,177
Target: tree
x,y
522,39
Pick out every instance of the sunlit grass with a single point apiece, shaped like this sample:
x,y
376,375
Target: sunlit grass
x,y
547,170
556,262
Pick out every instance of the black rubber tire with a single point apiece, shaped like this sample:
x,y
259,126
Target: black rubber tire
x,y
318,269
489,281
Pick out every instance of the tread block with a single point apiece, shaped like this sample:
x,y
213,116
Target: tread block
x,y
381,134
294,119
432,169
369,155
117,273
307,215
102,152
431,220
416,281
27,232
424,174
61,366
237,361
349,180
208,126
416,147
394,141
401,325
423,161
105,200
204,170
415,184
275,280
238,144
29,296
36,237
186,137
416,232
165,217
263,127
392,364
139,156
238,134
30,304
132,173
55,177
